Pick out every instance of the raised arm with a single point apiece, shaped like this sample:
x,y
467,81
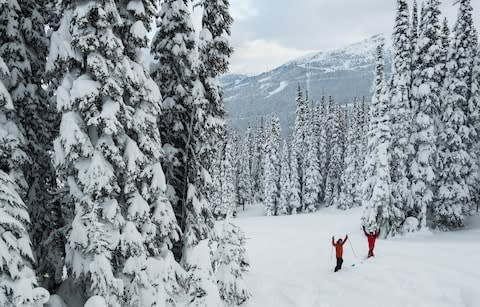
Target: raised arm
x,y
333,241
365,231
345,240
378,233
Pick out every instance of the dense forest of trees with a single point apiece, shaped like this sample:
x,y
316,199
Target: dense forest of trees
x,y
105,163
118,181
410,157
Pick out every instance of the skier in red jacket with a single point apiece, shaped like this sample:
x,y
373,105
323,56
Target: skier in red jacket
x,y
339,251
372,236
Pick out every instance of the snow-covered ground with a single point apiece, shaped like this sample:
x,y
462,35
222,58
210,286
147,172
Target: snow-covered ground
x,y
292,264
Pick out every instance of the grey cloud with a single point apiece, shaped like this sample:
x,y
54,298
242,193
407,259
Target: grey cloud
x,y
319,24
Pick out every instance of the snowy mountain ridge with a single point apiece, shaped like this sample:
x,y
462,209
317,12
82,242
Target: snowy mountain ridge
x,y
362,48
343,73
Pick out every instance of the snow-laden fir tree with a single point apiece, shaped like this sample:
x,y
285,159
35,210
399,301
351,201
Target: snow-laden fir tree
x,y
272,168
236,147
426,95
194,126
348,197
275,148
322,142
456,135
207,127
245,184
359,129
257,161
269,180
400,110
226,178
300,132
414,34
214,52
295,203
107,158
198,234
285,185
142,92
380,212
231,264
17,277
366,121
312,177
344,121
445,36
216,191
422,19
24,48
473,116
474,106
173,49
332,186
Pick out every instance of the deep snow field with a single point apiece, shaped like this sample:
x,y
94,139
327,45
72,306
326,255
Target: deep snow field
x,y
292,264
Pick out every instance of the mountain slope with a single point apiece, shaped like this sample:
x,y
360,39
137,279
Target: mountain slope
x,y
342,73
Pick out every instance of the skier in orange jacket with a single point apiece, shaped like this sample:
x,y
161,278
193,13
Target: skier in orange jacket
x,y
339,251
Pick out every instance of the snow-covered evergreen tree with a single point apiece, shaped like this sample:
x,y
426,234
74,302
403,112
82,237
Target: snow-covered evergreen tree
x,y
173,49
202,289
322,142
380,213
24,47
283,207
426,95
216,169
214,52
348,196
207,128
414,34
295,203
400,110
474,106
245,184
236,150
332,186
198,124
344,122
269,180
422,19
17,278
275,150
456,137
359,129
231,265
445,36
227,189
272,168
107,156
312,176
258,168
299,133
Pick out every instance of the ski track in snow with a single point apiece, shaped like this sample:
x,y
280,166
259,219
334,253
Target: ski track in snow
x,y
292,264
281,87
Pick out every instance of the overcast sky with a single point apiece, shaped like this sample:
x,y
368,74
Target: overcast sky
x,y
267,33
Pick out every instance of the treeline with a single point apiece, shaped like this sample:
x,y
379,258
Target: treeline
x,y
316,166
413,161
105,163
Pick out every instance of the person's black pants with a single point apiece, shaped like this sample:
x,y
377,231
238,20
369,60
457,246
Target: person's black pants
x,y
339,264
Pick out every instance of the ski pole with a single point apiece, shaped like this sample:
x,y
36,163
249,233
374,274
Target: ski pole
x,y
350,241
